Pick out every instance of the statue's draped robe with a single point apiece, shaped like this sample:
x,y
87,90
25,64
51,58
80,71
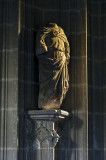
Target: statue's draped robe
x,y
53,55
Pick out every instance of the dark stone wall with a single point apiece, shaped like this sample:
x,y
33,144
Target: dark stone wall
x,y
84,24
71,16
8,79
97,78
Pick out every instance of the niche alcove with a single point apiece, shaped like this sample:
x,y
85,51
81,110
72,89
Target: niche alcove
x,y
71,16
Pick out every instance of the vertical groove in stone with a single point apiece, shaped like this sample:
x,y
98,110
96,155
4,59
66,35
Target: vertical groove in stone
x,y
104,69
9,80
28,83
22,68
1,113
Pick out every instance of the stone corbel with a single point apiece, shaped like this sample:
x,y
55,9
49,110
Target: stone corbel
x,y
41,137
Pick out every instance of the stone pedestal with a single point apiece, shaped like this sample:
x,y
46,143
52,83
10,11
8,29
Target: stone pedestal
x,y
41,137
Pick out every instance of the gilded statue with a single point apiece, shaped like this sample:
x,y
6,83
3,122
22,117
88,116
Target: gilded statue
x,y
53,52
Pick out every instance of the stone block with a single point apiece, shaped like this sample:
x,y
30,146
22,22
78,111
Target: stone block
x,y
12,56
11,35
97,69
51,17
53,4
65,5
35,91
72,5
104,25
96,137
12,94
72,130
65,21
96,52
81,21
28,14
78,45
97,100
9,134
94,26
11,153
72,22
104,99
94,9
96,154
77,65
80,98
37,18
79,120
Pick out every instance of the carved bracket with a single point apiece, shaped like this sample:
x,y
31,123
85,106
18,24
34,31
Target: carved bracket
x,y
40,134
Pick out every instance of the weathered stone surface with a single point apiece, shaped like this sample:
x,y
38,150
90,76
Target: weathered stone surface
x,y
9,80
53,52
40,134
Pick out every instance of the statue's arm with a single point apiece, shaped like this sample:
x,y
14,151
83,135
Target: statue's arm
x,y
41,46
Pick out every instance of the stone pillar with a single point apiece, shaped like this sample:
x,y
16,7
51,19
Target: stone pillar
x,y
9,119
40,134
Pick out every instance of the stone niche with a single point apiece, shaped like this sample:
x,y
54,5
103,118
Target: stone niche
x,y
53,52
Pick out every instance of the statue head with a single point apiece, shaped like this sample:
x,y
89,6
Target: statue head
x,y
47,33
